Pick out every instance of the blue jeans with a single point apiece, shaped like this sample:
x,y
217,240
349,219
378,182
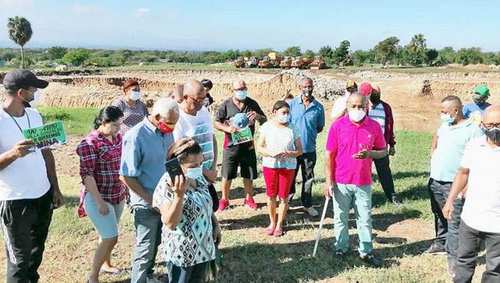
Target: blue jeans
x,y
360,198
147,222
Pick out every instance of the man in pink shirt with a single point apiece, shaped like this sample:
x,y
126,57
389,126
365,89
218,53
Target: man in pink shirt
x,y
353,142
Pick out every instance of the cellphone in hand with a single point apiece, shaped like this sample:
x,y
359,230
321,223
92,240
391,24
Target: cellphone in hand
x,y
173,168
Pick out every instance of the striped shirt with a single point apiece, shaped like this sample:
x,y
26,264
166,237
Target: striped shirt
x,y
377,113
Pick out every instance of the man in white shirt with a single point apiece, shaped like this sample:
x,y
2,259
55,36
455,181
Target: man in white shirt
x,y
340,105
29,189
195,122
481,212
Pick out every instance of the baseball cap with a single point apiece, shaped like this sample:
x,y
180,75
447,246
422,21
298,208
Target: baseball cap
x,y
365,89
22,79
482,90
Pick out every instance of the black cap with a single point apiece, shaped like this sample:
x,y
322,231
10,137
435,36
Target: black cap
x,y
22,79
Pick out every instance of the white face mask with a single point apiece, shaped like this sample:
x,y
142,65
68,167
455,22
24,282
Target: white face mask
x,y
135,95
356,115
37,98
283,119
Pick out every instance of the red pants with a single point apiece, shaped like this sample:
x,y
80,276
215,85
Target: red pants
x,y
278,181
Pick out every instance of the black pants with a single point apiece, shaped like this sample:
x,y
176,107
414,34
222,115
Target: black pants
x,y
469,246
193,274
385,176
25,224
438,192
305,163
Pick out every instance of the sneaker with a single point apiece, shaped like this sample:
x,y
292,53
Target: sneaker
x,y
250,203
435,249
340,253
312,212
372,260
223,204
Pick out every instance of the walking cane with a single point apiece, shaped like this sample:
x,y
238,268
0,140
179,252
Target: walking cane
x,y
318,232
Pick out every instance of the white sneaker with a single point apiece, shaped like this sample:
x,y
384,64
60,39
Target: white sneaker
x,y
312,212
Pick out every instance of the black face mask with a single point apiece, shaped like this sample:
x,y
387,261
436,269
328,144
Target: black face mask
x,y
493,134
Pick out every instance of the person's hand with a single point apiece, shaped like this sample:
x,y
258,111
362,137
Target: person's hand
x,y
231,129
328,191
22,148
57,199
102,206
210,175
392,150
251,116
363,154
180,186
179,146
448,210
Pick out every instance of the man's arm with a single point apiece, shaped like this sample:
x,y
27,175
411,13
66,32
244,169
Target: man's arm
x,y
458,186
377,154
50,165
434,143
19,150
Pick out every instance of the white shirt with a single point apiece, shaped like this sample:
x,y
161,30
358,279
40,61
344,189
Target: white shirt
x,y
26,177
278,140
482,200
378,114
199,128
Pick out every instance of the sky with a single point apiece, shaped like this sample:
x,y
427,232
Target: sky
x,y
252,24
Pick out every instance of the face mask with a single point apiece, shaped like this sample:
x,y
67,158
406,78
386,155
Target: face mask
x,y
493,134
283,119
479,100
164,129
35,101
356,115
195,173
135,95
446,119
241,94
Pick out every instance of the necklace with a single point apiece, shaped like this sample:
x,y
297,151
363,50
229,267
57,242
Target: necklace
x,y
17,124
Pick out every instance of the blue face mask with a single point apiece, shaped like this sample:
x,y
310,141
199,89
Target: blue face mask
x,y
446,119
241,94
196,174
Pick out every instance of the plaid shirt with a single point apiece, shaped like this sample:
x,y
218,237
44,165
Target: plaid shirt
x,y
100,158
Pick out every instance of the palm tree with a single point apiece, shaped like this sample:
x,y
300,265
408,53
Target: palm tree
x,y
20,32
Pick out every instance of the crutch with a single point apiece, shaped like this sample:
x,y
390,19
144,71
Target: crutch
x,y
318,232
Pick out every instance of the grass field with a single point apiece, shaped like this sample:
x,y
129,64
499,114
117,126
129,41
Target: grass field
x,y
401,234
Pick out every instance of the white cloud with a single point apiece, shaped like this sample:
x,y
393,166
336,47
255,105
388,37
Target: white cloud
x,y
141,12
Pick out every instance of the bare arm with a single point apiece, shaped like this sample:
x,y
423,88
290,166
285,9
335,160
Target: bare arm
x,y
377,154
458,186
260,146
21,149
298,149
50,165
171,212
137,188
224,127
434,143
329,176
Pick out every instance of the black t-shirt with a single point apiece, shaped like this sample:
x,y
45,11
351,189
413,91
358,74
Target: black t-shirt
x,y
228,109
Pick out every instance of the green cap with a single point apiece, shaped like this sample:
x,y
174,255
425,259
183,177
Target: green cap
x,y
482,90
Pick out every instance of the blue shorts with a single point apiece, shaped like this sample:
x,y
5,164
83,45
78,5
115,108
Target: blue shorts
x,y
106,225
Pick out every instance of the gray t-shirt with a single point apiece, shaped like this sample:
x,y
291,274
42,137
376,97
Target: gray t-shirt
x,y
131,115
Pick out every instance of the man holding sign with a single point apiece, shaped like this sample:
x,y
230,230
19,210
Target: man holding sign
x,y
29,189
236,118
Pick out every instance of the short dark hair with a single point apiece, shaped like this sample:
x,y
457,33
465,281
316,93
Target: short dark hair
x,y
206,83
194,149
453,98
106,115
280,104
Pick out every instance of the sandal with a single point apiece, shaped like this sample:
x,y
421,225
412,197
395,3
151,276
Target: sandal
x,y
278,232
269,230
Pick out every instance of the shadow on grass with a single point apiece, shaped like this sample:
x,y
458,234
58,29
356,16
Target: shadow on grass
x,y
292,262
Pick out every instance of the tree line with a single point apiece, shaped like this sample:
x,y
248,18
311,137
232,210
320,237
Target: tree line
x,y
389,51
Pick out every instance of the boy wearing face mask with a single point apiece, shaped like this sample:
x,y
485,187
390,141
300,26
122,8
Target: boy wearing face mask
x,y
130,103
280,145
447,150
353,141
476,109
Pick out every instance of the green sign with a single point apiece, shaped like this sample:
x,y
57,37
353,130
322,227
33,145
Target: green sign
x,y
46,135
242,136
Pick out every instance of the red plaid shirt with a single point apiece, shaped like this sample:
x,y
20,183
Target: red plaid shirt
x,y
100,158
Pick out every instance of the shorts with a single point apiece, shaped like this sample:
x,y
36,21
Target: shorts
x,y
239,156
106,225
278,181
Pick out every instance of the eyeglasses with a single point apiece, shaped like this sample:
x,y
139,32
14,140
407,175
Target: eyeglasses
x,y
197,100
491,125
